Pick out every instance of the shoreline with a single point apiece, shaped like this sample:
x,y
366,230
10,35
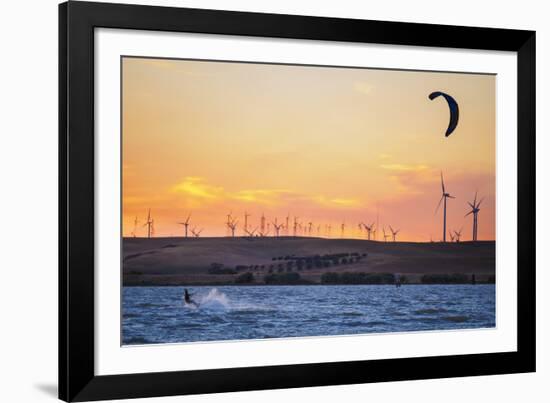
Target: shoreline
x,y
294,285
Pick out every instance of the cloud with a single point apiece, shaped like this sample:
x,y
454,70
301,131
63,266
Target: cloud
x,y
260,196
195,187
405,167
336,202
363,87
411,179
198,192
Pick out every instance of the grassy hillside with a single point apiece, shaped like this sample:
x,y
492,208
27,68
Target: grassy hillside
x,y
223,260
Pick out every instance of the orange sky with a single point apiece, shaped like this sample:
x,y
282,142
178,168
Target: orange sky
x,y
328,145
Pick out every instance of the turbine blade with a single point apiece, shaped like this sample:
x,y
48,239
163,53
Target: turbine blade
x,y
440,200
442,183
479,204
451,197
468,214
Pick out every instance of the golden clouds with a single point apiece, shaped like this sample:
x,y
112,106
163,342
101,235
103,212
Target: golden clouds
x,y
196,189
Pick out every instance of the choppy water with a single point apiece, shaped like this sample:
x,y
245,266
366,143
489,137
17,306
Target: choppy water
x,y
159,315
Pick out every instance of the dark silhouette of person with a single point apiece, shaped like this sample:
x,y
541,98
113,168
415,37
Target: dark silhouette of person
x,y
187,298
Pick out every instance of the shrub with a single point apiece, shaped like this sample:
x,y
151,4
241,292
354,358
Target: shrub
x,y
244,278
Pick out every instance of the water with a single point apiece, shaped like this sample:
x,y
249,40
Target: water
x,y
159,315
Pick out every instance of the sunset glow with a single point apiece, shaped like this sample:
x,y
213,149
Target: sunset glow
x,y
326,145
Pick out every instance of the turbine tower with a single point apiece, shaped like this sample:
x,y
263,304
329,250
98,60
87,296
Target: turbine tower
x,y
343,229
474,210
394,232
444,196
386,236
295,228
277,228
186,224
262,223
451,236
134,232
369,229
246,215
232,226
251,233
149,224
457,235
286,226
196,233
229,219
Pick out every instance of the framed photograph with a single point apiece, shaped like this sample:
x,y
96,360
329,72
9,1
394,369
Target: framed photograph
x,y
256,201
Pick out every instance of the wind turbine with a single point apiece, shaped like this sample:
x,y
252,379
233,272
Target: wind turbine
x,y
458,234
295,228
251,233
343,228
262,223
394,233
444,196
196,233
186,224
451,236
475,210
386,236
232,225
149,224
246,215
135,227
369,229
277,227
309,227
228,222
286,226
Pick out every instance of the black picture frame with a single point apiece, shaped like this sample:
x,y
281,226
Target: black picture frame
x,y
77,21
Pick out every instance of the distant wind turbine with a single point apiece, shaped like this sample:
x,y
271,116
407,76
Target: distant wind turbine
x,y
457,235
369,229
232,226
149,224
251,233
386,236
474,210
277,227
394,232
185,224
444,196
196,233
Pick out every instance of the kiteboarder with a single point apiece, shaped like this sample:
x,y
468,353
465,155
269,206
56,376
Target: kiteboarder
x,y
188,300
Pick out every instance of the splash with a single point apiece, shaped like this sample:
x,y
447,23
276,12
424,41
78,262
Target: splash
x,y
214,300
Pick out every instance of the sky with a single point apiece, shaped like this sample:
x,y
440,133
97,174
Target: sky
x,y
328,145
